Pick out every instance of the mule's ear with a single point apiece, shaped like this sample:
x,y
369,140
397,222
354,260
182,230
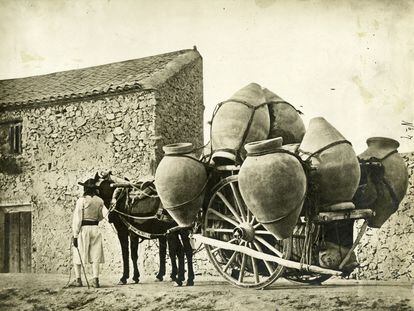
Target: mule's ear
x,y
107,175
96,176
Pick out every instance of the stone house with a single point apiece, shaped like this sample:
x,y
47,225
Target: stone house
x,y
61,128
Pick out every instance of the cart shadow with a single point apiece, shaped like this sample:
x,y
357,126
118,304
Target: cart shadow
x,y
329,286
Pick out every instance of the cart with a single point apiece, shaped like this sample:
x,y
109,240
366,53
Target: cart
x,y
248,256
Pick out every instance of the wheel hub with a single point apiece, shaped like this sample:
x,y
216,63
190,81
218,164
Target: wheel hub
x,y
244,231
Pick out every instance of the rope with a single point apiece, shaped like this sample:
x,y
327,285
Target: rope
x,y
388,154
140,233
284,102
246,131
275,150
344,141
135,217
191,200
183,155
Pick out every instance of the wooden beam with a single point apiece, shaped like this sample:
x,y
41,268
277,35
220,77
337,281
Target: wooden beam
x,y
263,256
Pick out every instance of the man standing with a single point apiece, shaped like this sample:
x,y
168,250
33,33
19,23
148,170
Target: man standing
x,y
87,238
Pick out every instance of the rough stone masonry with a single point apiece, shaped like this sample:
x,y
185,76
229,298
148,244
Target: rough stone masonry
x,y
387,253
66,139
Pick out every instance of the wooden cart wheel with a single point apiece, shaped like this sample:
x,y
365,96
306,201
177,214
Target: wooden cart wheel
x,y
305,277
228,219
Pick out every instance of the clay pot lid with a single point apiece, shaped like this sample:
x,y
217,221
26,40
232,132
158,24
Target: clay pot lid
x,y
178,148
264,145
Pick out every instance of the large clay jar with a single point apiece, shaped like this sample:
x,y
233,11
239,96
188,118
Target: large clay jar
x,y
241,119
273,185
180,180
386,190
285,120
336,168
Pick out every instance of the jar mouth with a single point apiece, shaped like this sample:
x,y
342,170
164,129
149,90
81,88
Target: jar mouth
x,y
264,145
178,148
384,140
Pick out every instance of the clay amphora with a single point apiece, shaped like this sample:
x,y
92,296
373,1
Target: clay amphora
x,y
180,180
386,190
336,175
273,185
241,119
285,120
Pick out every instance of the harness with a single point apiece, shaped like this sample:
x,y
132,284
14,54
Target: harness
x,y
124,217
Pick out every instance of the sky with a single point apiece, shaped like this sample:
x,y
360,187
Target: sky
x,y
351,62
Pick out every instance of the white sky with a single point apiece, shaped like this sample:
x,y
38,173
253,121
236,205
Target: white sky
x,y
351,62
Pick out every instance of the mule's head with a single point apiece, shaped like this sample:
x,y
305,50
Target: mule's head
x,y
101,183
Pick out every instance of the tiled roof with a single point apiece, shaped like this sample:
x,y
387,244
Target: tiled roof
x,y
140,74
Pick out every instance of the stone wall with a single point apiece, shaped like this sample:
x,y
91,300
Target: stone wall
x,y
179,114
64,144
387,253
69,142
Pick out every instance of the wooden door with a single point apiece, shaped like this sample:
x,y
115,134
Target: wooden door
x,y
18,241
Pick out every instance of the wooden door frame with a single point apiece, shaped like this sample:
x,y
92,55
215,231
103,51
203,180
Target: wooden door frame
x,y
5,208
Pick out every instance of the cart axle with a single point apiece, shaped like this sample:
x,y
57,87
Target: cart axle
x,y
244,231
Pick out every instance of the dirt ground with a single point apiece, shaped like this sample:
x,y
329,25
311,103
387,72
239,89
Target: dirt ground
x,y
45,292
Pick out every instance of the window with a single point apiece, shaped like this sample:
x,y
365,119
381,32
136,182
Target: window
x,y
15,136
11,137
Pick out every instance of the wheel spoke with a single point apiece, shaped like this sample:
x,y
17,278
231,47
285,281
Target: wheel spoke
x,y
270,247
222,230
263,232
218,248
230,261
239,201
229,206
267,264
255,270
224,217
257,225
242,268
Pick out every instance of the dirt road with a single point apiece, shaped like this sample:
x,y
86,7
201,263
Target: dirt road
x,y
43,292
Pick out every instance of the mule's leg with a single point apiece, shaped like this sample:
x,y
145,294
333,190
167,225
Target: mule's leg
x,y
134,239
123,240
188,251
162,252
181,265
172,250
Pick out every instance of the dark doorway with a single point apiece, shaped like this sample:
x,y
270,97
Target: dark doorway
x,y
17,242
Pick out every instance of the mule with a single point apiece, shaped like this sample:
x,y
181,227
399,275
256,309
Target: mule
x,y
145,205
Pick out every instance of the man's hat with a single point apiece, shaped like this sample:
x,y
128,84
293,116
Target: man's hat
x,y
90,183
